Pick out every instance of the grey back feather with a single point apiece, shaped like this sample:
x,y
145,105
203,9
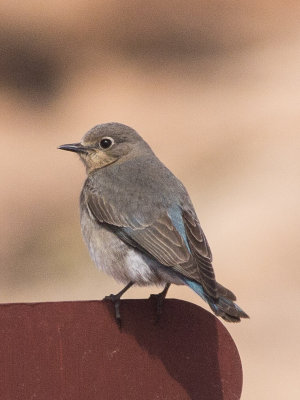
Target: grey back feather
x,y
133,197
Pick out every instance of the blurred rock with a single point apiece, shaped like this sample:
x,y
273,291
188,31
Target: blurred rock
x,y
28,66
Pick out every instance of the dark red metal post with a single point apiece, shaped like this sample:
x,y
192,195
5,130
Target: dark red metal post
x,y
75,351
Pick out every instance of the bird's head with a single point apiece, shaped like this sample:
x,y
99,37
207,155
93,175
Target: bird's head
x,y
106,144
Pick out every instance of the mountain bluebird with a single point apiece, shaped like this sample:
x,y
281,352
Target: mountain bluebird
x,y
139,223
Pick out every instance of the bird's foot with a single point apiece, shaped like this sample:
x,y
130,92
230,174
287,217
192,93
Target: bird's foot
x,y
116,300
159,299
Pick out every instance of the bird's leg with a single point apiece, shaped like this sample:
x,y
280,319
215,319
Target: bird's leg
x,y
115,298
160,297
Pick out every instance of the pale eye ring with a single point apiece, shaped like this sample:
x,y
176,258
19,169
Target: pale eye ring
x,y
106,142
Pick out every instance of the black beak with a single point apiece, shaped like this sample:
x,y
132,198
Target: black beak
x,y
76,147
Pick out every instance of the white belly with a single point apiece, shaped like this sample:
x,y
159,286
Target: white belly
x,y
116,258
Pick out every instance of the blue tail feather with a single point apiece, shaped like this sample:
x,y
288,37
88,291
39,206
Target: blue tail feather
x,y
222,307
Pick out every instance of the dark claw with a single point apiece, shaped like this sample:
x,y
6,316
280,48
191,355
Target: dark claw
x,y
159,298
115,299
117,313
112,297
159,305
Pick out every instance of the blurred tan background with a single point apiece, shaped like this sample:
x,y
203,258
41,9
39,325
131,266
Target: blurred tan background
x,y
213,86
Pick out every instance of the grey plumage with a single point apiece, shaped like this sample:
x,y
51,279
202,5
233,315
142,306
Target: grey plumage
x,y
138,221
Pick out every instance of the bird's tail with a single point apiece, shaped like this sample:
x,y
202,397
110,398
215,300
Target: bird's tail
x,y
224,306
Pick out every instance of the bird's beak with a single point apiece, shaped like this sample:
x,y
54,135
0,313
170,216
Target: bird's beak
x,y
76,147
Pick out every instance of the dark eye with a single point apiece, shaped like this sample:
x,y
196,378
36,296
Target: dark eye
x,y
106,143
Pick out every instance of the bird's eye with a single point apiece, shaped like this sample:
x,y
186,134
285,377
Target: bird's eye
x,y
106,143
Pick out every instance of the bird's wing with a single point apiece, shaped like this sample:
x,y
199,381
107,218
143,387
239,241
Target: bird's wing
x,y
200,250
175,240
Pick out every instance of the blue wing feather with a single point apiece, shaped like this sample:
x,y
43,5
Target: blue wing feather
x,y
175,214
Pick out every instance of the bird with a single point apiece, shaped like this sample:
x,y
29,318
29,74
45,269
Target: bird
x,y
139,223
